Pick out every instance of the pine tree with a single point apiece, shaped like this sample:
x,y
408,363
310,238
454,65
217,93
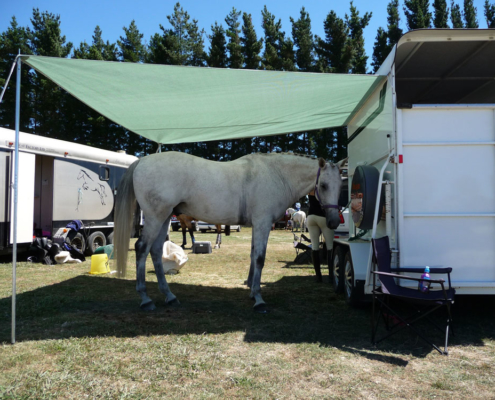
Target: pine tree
x,y
13,40
48,99
385,40
177,38
197,55
303,40
456,15
356,26
470,15
393,19
273,39
288,55
131,47
380,49
99,50
251,46
236,58
335,52
441,14
417,14
489,12
218,47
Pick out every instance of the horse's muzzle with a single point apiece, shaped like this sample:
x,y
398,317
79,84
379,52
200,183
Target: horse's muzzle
x,y
333,219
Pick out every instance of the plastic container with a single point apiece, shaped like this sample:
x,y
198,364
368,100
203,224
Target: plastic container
x,y
108,250
424,286
99,264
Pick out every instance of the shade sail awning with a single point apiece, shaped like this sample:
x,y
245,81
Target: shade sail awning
x,y
175,104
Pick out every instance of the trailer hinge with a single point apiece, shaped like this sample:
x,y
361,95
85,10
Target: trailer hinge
x,y
392,160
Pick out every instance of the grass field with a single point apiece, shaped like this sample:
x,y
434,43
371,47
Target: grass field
x,y
83,336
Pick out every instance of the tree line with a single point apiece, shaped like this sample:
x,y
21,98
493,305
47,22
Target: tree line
x,y
49,111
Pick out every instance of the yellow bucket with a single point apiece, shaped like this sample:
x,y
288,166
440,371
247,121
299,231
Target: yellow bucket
x,y
99,264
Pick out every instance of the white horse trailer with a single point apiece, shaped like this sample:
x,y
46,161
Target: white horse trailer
x,y
424,145
59,182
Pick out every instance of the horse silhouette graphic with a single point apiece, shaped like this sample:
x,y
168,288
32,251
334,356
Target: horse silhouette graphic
x,y
89,184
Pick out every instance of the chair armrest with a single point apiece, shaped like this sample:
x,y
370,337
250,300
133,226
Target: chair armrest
x,y
446,270
440,281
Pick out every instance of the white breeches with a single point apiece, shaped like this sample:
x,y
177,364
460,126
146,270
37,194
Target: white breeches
x,y
317,225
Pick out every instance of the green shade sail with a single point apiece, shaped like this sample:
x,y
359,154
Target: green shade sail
x,y
175,104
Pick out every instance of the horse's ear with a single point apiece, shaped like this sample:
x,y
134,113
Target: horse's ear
x,y
342,163
321,162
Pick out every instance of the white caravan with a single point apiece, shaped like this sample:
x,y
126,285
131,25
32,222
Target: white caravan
x,y
59,182
422,163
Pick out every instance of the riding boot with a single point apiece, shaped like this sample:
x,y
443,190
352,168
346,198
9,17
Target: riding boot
x,y
316,264
329,259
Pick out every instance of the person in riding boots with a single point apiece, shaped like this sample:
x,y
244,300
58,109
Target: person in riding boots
x,y
317,224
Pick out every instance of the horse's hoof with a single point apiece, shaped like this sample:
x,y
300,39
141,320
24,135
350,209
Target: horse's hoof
x,y
260,309
149,306
174,302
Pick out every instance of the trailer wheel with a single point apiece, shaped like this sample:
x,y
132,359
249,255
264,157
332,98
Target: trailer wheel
x,y
337,269
78,242
110,238
95,240
350,291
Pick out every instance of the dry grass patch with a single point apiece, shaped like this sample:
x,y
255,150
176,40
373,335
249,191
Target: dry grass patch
x,y
82,335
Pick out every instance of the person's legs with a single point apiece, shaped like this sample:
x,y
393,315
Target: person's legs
x,y
314,234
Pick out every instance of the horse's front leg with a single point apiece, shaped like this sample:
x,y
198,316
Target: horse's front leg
x,y
219,240
156,255
258,253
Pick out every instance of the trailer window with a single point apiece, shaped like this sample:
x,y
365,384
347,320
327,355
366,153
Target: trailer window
x,y
104,173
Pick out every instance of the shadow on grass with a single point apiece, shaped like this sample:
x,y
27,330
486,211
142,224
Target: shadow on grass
x,y
301,311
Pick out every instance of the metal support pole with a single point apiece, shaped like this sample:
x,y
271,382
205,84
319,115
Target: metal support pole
x,y
16,186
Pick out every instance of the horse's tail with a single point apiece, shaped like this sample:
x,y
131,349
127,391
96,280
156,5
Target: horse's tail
x,y
125,205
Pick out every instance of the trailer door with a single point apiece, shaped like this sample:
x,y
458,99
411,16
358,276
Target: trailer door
x,y
449,193
25,198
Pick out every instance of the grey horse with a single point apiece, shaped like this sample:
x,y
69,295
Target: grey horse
x,y
254,190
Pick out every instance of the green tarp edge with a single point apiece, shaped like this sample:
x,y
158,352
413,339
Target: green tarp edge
x,y
175,104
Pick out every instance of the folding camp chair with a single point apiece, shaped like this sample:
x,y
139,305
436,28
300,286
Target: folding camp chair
x,y
299,245
389,294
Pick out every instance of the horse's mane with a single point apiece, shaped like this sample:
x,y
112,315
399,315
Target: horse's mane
x,y
282,154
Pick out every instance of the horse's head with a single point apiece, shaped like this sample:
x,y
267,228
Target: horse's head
x,y
327,190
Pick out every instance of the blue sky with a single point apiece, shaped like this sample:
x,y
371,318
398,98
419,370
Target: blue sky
x,y
79,18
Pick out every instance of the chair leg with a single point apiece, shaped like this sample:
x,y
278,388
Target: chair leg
x,y
407,324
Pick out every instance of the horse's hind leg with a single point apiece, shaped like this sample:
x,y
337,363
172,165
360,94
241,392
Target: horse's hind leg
x,y
191,233
143,245
184,238
156,255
